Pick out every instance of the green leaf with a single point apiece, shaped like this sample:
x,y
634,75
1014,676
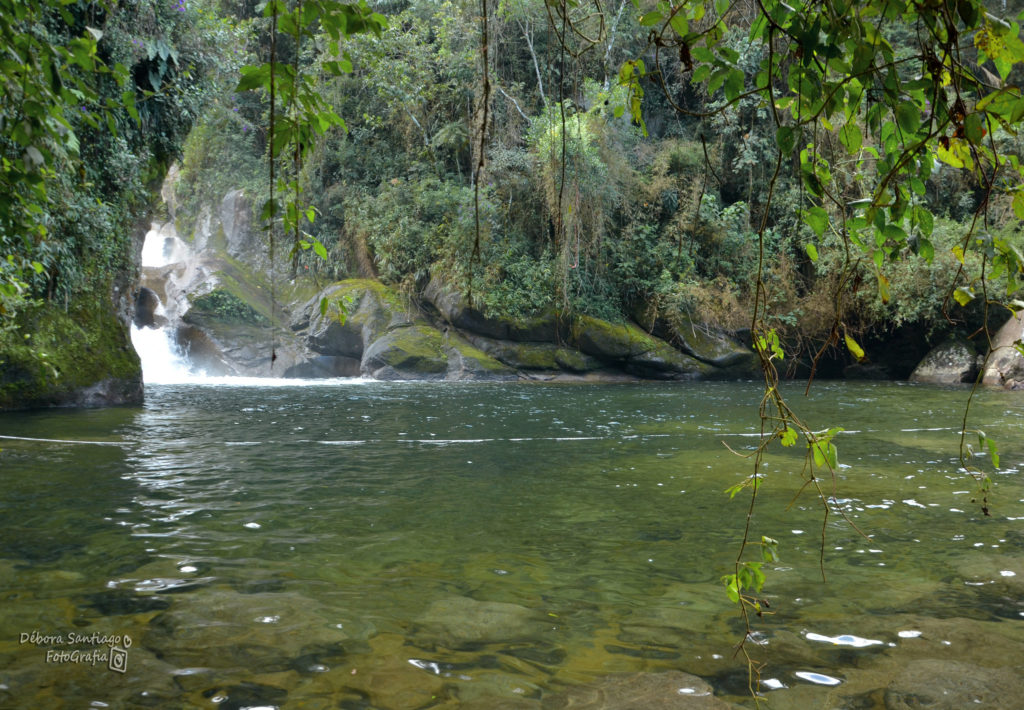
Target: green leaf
x,y
973,128
788,437
925,249
812,251
925,220
1018,204
908,116
679,24
651,19
734,84
851,138
320,249
785,138
817,219
731,588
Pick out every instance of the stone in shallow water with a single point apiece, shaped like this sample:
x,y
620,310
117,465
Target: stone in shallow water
x,y
458,621
951,685
640,691
118,602
246,695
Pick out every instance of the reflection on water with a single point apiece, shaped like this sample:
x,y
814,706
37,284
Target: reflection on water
x,y
405,545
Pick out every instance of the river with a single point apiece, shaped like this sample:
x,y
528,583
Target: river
x,y
412,545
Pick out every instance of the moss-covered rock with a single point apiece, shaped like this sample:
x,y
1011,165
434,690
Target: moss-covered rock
x,y
466,362
541,357
454,308
222,306
358,312
80,358
409,352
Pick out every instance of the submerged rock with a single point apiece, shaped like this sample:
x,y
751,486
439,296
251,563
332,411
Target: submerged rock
x,y
640,691
456,621
952,685
950,362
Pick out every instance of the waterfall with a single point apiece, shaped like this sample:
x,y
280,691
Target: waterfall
x,y
162,361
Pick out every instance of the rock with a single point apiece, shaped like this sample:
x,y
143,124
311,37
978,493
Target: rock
x,y
454,308
950,362
235,217
324,366
722,350
147,302
456,621
359,311
536,356
952,685
665,362
1006,365
466,362
640,691
411,352
636,351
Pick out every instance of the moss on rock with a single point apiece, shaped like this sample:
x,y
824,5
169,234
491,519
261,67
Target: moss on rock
x,y
415,351
83,357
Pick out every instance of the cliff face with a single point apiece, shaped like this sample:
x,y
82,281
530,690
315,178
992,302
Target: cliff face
x,y
81,358
77,354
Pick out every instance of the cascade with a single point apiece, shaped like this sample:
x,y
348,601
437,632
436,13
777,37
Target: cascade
x,y
163,362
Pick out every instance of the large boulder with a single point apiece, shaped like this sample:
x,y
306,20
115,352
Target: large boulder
x,y
422,352
541,357
358,312
950,362
454,308
409,352
710,345
1006,364
626,345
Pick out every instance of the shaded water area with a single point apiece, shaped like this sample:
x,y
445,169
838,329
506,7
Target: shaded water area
x,y
414,545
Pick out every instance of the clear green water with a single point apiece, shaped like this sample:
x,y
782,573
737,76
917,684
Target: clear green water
x,y
411,545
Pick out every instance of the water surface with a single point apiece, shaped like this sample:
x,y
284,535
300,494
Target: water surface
x,y
414,545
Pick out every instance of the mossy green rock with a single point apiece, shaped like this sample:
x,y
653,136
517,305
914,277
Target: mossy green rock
x,y
358,312
714,348
413,351
80,358
466,362
634,350
542,357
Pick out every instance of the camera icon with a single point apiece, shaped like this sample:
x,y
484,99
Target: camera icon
x,y
118,659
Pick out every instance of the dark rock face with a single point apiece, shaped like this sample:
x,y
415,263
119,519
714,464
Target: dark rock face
x,y
950,362
146,304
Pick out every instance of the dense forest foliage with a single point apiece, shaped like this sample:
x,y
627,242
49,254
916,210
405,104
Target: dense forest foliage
x,y
587,207
614,159
96,101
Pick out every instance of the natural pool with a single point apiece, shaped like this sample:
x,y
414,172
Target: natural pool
x,y
418,545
